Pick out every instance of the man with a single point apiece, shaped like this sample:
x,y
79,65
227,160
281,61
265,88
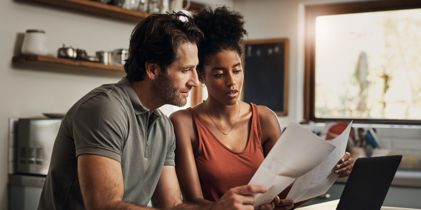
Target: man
x,y
115,149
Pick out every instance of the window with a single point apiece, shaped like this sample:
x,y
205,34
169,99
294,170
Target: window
x,y
363,62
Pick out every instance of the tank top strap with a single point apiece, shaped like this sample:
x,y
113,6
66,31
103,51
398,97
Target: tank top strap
x,y
255,123
196,121
201,131
196,118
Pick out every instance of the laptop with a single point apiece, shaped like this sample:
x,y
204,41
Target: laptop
x,y
368,183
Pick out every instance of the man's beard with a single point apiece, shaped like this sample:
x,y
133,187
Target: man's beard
x,y
168,93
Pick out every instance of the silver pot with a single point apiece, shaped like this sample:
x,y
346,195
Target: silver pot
x,y
103,57
119,56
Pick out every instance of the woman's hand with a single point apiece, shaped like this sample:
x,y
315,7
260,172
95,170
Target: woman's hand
x,y
278,204
344,166
238,198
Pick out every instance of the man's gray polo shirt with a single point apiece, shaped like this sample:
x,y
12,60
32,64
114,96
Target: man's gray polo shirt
x,y
109,121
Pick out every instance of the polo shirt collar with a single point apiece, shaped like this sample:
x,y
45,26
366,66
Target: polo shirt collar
x,y
137,104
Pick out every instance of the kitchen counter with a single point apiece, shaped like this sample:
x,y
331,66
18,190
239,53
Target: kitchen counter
x,y
404,191
331,205
407,179
402,179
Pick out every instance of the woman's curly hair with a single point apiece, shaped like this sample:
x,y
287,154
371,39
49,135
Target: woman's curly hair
x,y
223,30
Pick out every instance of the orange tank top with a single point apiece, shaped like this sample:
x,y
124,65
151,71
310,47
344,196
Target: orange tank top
x,y
218,167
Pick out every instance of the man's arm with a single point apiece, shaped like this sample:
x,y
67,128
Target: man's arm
x,y
167,195
101,183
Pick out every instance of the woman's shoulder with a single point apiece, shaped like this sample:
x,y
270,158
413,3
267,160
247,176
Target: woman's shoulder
x,y
265,113
181,115
269,123
267,117
183,125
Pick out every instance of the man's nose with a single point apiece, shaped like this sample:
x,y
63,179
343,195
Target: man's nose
x,y
194,79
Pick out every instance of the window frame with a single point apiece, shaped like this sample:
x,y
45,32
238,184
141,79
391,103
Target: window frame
x,y
311,13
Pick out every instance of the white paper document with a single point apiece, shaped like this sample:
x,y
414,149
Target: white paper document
x,y
295,153
318,180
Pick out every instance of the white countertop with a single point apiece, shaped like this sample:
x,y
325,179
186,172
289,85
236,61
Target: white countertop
x,y
331,205
402,178
407,178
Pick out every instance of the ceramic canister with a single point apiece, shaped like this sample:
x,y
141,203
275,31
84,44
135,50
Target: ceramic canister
x,y
34,43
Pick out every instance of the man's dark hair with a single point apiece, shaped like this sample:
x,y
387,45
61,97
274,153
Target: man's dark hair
x,y
156,39
223,30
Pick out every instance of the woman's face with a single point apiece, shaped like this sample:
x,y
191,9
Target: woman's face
x,y
223,76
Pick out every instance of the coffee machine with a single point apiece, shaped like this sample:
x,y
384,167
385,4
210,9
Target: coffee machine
x,y
34,144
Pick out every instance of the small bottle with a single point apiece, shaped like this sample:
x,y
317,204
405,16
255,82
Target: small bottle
x,y
153,6
143,6
34,43
164,6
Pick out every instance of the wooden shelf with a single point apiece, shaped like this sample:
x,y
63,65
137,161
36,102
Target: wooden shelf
x,y
96,8
67,63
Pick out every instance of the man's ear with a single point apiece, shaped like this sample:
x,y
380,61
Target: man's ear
x,y
152,70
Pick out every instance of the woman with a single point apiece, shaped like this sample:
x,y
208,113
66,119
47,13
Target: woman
x,y
222,141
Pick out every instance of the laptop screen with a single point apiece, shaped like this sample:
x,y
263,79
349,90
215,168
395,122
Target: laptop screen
x,y
368,183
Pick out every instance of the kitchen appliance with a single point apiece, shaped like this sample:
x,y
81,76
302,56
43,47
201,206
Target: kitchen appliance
x,y
34,144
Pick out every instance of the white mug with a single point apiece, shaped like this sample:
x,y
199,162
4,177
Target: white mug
x,y
177,5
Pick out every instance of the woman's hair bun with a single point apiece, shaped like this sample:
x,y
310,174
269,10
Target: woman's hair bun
x,y
221,25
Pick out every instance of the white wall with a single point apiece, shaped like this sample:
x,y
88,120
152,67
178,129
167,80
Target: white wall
x,y
28,92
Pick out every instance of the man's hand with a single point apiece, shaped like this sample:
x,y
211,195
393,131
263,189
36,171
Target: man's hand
x,y
283,204
278,204
344,166
238,198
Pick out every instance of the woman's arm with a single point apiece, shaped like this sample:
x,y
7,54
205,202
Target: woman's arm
x,y
271,130
184,156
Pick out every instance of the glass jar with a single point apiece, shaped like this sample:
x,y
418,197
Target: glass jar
x,y
153,6
131,4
